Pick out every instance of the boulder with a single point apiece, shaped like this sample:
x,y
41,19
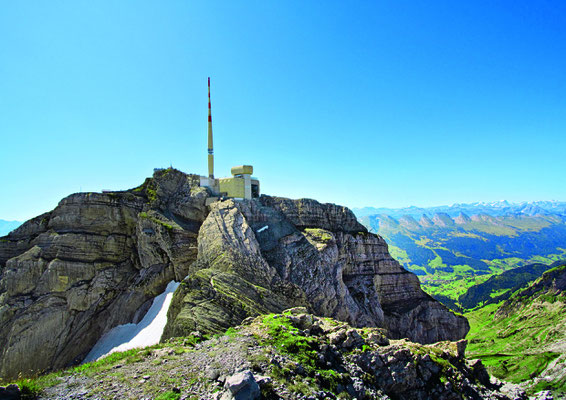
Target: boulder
x,y
241,386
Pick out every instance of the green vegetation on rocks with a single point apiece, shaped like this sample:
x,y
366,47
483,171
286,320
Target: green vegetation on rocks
x,y
155,219
291,355
523,339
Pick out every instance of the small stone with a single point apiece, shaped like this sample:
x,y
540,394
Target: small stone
x,y
337,337
296,310
544,395
196,334
378,339
212,373
353,339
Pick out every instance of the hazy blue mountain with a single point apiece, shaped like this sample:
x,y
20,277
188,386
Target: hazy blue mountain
x,y
8,226
496,208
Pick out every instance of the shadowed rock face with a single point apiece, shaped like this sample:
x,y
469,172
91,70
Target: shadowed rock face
x,y
98,259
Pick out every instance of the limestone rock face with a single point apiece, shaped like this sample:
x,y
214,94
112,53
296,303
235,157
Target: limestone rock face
x,y
94,262
230,279
265,255
98,259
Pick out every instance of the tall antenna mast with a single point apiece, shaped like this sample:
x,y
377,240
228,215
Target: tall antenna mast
x,y
210,147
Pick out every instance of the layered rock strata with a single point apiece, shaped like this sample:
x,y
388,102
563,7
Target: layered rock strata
x,y
98,259
270,254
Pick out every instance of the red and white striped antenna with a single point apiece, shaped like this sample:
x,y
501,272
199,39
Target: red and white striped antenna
x,y
210,147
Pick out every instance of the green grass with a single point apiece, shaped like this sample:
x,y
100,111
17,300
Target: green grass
x,y
515,368
320,235
401,256
170,395
513,347
451,285
33,386
231,332
286,338
491,229
127,357
29,388
498,292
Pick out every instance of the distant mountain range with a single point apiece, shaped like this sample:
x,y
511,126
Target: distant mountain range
x,y
454,247
496,208
8,226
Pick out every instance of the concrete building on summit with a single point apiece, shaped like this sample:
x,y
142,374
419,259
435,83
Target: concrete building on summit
x,y
241,185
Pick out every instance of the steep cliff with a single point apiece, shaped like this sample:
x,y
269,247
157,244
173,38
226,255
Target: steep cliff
x,y
94,262
98,259
274,253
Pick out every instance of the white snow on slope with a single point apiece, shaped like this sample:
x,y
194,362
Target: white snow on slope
x,y
145,333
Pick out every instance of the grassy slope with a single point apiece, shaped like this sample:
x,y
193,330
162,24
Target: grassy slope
x,y
500,287
518,344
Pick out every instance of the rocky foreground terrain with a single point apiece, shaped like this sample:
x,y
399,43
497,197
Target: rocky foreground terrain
x,y
98,260
294,355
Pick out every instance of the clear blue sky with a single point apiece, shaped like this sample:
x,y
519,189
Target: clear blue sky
x,y
380,103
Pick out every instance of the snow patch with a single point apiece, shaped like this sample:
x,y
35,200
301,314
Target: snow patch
x,y
145,333
262,229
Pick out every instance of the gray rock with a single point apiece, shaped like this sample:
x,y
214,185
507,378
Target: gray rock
x,y
212,373
98,259
243,386
340,271
70,275
353,339
513,391
479,371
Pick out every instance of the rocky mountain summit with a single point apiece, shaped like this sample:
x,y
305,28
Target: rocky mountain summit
x,y
98,260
